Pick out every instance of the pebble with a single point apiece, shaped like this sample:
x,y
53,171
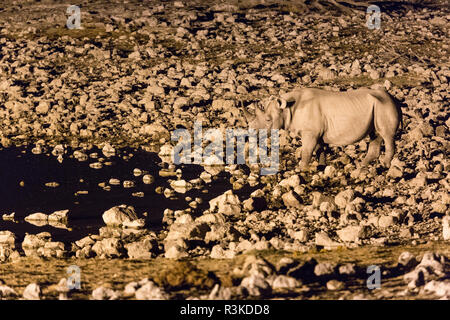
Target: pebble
x,y
335,285
32,292
148,179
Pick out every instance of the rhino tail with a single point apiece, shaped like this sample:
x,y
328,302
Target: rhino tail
x,y
399,105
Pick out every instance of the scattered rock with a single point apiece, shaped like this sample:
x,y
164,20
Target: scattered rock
x,y
227,204
407,260
256,286
324,240
116,216
7,292
150,291
324,269
140,250
285,282
446,228
291,200
32,292
352,233
110,247
105,293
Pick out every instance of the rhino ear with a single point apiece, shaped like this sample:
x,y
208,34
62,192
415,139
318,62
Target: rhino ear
x,y
260,106
282,103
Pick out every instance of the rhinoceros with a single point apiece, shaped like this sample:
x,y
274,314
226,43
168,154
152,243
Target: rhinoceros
x,y
333,118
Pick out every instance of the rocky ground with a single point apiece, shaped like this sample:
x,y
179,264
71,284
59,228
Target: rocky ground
x,y
136,72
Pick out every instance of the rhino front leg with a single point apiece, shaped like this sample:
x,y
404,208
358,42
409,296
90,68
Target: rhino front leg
x,y
320,152
309,142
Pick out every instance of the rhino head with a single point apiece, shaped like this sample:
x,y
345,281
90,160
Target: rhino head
x,y
268,115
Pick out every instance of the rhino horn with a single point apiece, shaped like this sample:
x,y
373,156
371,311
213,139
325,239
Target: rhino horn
x,y
248,115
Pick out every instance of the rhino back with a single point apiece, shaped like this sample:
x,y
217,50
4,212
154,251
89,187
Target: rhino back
x,y
341,118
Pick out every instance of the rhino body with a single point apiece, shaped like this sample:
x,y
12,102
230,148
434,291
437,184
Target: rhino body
x,y
323,117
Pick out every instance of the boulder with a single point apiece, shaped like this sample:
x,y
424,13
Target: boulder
x,y
32,292
117,215
151,291
227,204
109,247
140,250
323,240
285,282
256,286
105,293
32,242
446,227
291,200
343,198
59,216
38,216
352,233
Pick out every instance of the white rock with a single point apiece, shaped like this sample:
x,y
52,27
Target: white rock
x,y
386,221
32,292
407,259
116,216
324,269
151,291
104,293
256,286
292,181
322,239
6,291
43,107
38,216
335,285
301,235
439,288
58,216
227,204
181,186
130,289
8,217
110,247
217,252
148,179
135,224
139,250
220,293
32,242
351,233
175,252
291,199
347,269
108,150
344,197
285,282
446,227
7,239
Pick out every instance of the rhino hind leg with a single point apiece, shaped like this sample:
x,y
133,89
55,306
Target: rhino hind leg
x,y
389,151
387,132
373,151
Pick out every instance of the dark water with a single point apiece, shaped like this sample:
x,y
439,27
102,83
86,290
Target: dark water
x,y
85,215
